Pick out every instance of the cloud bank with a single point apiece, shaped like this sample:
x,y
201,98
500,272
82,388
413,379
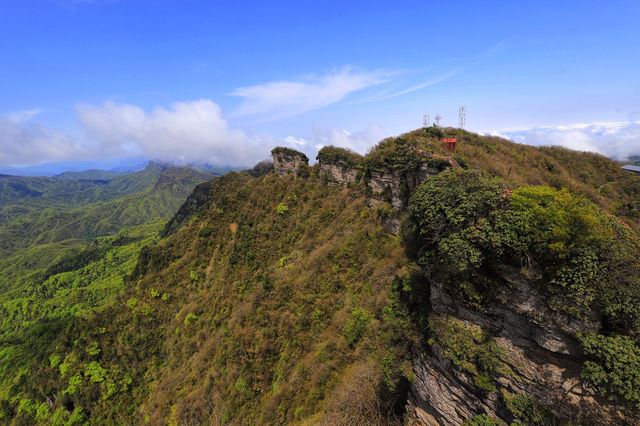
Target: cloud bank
x,y
192,131
23,142
618,140
184,132
359,142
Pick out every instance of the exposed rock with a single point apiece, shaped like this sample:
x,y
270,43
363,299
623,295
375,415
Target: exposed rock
x,y
540,354
395,186
339,173
442,396
288,161
339,166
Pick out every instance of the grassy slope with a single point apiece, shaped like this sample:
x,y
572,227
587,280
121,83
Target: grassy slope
x,y
247,315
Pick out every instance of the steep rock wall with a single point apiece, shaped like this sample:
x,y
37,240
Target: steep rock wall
x,y
541,357
339,173
288,161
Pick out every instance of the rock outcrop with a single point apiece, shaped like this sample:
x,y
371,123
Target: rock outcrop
x,y
383,182
540,356
287,161
396,185
339,173
339,166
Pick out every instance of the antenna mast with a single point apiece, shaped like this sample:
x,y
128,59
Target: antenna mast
x,y
426,120
462,117
437,120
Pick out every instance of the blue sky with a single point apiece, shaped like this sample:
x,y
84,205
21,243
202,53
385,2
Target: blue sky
x,y
223,82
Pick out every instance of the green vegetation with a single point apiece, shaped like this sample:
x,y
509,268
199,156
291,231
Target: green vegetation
x,y
527,411
66,263
613,366
470,349
290,152
482,420
402,154
469,228
593,176
333,155
274,340
282,208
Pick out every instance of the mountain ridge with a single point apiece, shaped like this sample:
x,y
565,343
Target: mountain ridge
x,y
283,298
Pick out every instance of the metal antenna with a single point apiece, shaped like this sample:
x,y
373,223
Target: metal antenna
x,y
426,120
437,120
462,115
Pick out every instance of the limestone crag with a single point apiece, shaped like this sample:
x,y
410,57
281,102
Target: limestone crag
x,y
395,186
287,161
339,173
539,354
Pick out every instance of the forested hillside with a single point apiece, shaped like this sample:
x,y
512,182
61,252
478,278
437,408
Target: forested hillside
x,y
283,298
66,245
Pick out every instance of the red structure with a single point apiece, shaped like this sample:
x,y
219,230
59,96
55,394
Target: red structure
x,y
449,144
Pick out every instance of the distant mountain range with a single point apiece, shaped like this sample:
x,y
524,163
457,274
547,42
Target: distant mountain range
x,y
100,167
51,169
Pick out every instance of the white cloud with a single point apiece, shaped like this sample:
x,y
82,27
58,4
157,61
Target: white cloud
x,y
294,141
25,143
617,140
286,98
20,117
192,131
360,141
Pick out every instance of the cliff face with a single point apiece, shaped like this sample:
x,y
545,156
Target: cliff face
x,y
395,186
536,356
339,173
382,183
288,161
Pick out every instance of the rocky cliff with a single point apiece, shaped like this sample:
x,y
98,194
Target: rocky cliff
x,y
537,362
391,183
288,161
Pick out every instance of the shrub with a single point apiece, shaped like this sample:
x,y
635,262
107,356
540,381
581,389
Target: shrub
x,y
482,420
357,325
95,372
282,209
613,367
528,410
283,150
190,319
469,347
333,155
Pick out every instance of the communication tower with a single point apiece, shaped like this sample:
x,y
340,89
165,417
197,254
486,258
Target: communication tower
x,y
462,117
